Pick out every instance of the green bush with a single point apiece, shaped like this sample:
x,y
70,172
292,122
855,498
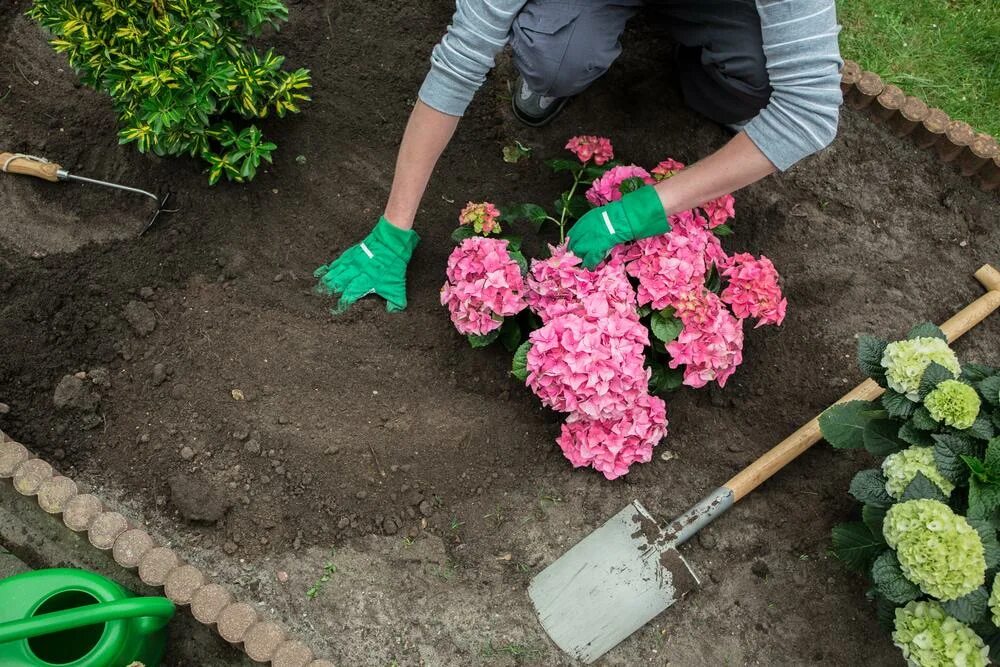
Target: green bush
x,y
180,73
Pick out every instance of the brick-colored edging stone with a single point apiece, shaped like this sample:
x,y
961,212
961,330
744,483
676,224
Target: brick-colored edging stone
x,y
261,639
955,142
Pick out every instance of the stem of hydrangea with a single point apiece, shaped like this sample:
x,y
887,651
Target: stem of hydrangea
x,y
565,206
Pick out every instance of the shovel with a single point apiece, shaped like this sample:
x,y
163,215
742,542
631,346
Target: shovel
x,y
29,165
626,572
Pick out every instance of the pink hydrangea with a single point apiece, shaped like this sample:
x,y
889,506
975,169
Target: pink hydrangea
x,y
484,285
482,216
606,188
753,289
586,147
559,285
719,210
674,264
612,445
666,169
590,365
710,346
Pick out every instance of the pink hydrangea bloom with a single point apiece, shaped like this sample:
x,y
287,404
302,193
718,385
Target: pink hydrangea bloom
x,y
481,216
674,264
612,445
666,169
719,210
710,346
559,285
590,365
753,289
606,188
484,285
586,147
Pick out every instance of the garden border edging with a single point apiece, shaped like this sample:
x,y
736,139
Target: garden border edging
x,y
211,604
974,154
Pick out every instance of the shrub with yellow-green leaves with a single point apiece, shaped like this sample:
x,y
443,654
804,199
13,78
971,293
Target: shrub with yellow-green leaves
x,y
180,72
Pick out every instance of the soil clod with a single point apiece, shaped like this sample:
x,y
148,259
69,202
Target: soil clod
x,y
140,317
198,498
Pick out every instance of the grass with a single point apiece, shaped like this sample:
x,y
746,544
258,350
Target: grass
x,y
946,52
517,651
329,569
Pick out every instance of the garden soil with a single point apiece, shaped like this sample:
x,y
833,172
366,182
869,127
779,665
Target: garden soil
x,y
376,483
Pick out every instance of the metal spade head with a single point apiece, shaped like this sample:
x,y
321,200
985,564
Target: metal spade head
x,y
610,584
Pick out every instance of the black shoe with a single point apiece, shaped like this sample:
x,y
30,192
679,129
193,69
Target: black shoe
x,y
533,109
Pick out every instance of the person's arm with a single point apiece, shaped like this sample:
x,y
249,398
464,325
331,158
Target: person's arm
x,y
427,134
737,164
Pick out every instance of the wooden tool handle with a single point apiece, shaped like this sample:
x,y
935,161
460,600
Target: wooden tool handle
x,y
47,171
788,449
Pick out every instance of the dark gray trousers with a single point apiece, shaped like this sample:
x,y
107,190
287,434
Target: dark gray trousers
x,y
562,46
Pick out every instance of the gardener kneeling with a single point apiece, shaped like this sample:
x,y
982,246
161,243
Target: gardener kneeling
x,y
767,70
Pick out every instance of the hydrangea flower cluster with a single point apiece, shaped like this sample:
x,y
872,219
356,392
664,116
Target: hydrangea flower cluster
x,y
719,210
482,217
928,637
607,188
905,361
587,147
900,469
937,549
953,403
484,286
994,601
672,265
666,169
559,285
753,289
710,346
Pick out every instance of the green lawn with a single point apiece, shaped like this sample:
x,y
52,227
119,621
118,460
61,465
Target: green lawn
x,y
945,52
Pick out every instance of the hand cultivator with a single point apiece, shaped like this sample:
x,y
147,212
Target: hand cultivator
x,y
627,571
29,165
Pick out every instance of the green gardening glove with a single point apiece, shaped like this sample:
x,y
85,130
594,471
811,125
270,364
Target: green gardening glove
x,y
637,215
377,265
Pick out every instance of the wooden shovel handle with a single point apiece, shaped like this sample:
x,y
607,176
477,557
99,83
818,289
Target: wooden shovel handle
x,y
47,171
788,449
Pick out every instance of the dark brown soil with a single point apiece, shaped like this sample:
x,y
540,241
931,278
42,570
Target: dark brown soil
x,y
322,433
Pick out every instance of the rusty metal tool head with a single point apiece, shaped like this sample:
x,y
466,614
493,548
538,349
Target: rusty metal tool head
x,y
30,165
626,572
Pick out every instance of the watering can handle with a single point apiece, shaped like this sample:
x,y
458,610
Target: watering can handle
x,y
68,619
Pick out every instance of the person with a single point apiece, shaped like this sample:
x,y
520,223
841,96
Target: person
x,y
769,70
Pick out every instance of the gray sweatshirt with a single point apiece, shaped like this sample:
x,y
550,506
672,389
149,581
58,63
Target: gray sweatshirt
x,y
800,48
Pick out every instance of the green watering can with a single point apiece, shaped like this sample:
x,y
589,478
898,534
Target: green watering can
x,y
74,618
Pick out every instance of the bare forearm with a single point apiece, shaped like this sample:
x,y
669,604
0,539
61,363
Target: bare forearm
x,y
737,164
427,134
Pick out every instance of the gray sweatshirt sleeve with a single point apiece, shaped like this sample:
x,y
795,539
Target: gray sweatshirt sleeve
x,y
803,64
459,63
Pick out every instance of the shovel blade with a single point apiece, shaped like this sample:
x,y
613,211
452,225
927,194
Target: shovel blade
x,y
609,585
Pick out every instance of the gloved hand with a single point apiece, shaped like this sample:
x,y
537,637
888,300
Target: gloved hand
x,y
637,215
377,265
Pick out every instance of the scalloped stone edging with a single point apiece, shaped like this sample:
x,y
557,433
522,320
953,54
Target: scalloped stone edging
x,y
974,154
132,547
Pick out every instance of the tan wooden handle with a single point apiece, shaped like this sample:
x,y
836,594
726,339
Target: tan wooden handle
x,y
788,449
13,164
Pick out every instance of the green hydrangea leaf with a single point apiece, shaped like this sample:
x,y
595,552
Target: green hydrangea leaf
x,y
843,425
644,311
996,419
898,405
933,375
483,341
462,233
560,164
665,325
513,241
992,459
664,380
722,230
856,546
870,351
885,612
889,580
521,260
926,330
970,608
921,487
519,367
873,517
988,535
510,334
981,428
922,419
713,282
880,437
977,372
989,389
911,434
868,486
948,450
984,498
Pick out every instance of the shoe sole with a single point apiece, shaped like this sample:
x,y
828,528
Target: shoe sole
x,y
538,122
